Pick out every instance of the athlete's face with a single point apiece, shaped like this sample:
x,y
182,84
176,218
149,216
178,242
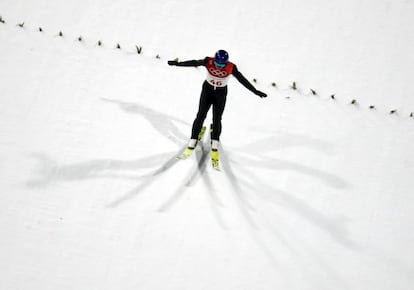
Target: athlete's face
x,y
219,65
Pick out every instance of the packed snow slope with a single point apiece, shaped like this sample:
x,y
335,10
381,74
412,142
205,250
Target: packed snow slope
x,y
315,192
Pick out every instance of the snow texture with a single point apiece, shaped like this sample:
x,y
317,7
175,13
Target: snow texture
x,y
315,192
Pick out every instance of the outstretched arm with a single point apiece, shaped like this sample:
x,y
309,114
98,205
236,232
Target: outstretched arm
x,y
193,62
238,75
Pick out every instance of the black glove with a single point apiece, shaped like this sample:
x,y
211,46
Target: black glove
x,y
172,62
261,94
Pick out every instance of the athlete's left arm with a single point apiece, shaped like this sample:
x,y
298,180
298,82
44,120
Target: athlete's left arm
x,y
238,75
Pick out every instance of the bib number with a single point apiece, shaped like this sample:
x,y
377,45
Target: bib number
x,y
216,83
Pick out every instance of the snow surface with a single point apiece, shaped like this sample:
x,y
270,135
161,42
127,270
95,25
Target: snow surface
x,y
314,193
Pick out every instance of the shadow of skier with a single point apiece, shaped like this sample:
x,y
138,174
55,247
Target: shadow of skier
x,y
335,227
162,123
50,171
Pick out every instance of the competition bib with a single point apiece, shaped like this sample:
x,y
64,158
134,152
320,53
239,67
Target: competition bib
x,y
218,77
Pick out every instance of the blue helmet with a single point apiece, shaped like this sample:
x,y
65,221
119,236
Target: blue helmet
x,y
221,57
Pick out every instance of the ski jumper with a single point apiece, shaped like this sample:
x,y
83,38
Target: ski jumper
x,y
214,93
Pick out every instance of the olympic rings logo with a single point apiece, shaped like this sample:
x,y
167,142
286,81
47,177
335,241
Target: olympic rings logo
x,y
217,72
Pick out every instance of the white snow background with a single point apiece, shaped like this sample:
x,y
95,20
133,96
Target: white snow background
x,y
314,193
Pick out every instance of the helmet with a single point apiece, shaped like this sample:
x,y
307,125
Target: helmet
x,y
221,57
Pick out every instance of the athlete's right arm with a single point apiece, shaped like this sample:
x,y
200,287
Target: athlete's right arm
x,y
193,62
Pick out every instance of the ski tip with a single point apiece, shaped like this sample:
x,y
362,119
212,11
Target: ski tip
x,y
183,156
215,165
186,153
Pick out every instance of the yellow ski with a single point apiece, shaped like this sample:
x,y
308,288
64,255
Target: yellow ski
x,y
215,159
189,150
